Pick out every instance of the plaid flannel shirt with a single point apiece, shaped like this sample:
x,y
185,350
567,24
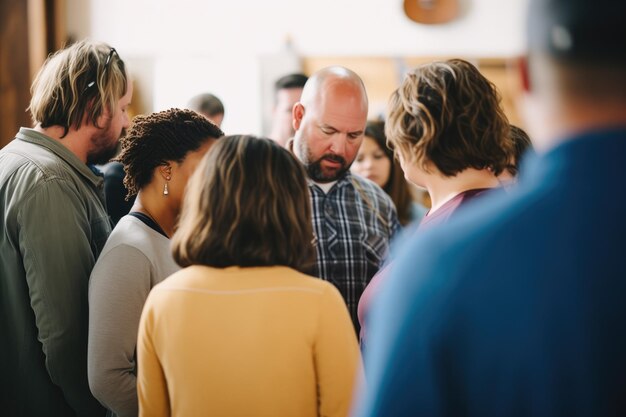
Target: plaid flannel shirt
x,y
353,223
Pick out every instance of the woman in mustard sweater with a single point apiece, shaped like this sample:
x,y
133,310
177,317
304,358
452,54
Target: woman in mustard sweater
x,y
240,331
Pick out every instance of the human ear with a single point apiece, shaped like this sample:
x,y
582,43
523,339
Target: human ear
x,y
165,170
297,114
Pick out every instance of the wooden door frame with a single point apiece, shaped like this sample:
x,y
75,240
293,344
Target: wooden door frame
x,y
29,31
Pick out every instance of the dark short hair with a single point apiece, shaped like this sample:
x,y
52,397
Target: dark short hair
x,y
157,138
580,31
246,205
207,104
296,80
447,113
521,144
580,39
397,186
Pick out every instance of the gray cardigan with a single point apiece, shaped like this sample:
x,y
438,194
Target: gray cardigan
x,y
134,259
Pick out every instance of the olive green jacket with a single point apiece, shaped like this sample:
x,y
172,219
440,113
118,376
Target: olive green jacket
x,y
54,224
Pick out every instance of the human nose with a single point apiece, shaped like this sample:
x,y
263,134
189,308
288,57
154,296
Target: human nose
x,y
126,121
367,163
338,145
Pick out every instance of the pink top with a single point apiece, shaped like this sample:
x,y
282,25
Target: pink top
x,y
438,217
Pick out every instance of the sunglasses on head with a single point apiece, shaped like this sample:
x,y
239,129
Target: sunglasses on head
x,y
106,65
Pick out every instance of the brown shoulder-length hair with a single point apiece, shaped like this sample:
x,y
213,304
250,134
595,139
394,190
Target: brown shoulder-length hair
x,y
448,114
246,205
397,186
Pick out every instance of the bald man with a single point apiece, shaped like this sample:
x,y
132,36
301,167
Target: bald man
x,y
353,218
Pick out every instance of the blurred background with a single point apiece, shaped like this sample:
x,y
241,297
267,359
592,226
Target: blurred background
x,y
236,49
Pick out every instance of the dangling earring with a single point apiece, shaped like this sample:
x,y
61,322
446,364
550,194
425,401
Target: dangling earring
x,y
166,191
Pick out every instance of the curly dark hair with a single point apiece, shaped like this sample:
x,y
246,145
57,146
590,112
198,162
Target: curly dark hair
x,y
448,114
157,138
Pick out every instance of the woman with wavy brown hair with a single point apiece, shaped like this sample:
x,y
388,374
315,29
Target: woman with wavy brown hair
x,y
241,331
376,162
451,136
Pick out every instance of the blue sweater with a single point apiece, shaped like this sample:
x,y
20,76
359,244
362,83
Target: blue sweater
x,y
518,306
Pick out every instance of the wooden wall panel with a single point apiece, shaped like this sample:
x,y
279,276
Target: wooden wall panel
x,y
14,68
29,31
381,75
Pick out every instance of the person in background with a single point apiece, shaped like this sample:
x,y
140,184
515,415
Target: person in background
x,y
376,162
353,219
522,146
241,331
287,90
451,135
517,307
159,153
209,106
115,193
54,225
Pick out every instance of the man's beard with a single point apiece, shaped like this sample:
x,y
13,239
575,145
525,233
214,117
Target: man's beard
x,y
314,169
316,173
103,146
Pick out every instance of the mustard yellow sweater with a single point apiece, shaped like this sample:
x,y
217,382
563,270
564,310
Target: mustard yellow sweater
x,y
264,341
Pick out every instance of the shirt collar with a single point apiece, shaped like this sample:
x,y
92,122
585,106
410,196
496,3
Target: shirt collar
x,y
345,180
39,139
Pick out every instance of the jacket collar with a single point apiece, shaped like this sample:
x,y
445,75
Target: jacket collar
x,y
32,136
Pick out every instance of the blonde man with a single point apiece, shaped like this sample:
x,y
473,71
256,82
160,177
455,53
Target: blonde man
x,y
54,226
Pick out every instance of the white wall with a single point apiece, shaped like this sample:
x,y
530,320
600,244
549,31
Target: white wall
x,y
183,47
